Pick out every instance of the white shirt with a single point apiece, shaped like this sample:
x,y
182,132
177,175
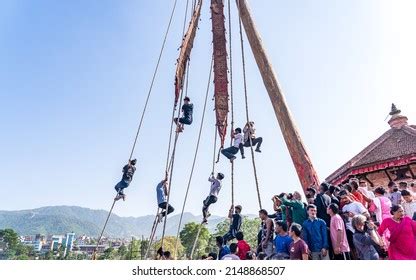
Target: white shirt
x,y
355,208
409,208
215,186
238,138
249,131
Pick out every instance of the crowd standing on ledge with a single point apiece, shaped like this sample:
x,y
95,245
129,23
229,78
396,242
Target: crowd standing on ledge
x,y
347,222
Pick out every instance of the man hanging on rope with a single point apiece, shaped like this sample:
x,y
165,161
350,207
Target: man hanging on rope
x,y
128,172
235,223
187,110
162,193
213,195
231,151
250,133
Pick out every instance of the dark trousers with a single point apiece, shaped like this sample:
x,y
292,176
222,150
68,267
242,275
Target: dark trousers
x,y
163,206
254,141
206,203
121,186
230,235
229,152
342,256
184,120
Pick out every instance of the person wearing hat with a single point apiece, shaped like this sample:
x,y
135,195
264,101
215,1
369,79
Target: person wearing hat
x,y
250,139
187,110
128,172
235,223
213,195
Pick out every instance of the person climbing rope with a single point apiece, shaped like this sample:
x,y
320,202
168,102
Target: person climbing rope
x,y
128,172
231,151
250,133
162,192
187,110
213,195
235,223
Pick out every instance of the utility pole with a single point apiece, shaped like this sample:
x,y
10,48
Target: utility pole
x,y
303,164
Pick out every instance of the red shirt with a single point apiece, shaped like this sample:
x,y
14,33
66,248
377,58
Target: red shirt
x,y
243,248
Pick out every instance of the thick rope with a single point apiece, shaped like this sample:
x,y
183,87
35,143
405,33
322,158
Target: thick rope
x,y
194,161
152,233
196,240
246,100
152,82
102,231
232,98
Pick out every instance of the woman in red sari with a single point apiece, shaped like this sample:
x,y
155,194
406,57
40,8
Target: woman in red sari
x,y
402,235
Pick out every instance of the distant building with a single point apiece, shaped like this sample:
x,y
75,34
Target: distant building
x,y
392,157
89,249
68,242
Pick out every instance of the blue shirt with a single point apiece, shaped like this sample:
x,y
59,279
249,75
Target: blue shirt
x,y
160,192
223,251
315,234
281,244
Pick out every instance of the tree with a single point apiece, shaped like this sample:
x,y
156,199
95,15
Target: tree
x,y
122,252
10,237
109,254
188,235
143,248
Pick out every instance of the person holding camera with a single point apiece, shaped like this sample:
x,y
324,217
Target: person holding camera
x,y
365,238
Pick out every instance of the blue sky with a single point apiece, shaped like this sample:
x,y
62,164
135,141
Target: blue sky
x,y
74,77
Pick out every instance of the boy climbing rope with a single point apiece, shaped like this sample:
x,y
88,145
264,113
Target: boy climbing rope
x,y
213,194
235,223
187,110
128,172
250,134
231,151
162,193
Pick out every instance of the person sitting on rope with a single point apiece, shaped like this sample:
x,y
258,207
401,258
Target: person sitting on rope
x,y
235,223
128,172
187,110
213,195
231,151
162,195
250,133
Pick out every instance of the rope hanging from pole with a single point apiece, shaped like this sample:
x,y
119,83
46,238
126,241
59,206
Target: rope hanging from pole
x,y
152,82
102,231
196,240
246,101
152,234
232,97
194,161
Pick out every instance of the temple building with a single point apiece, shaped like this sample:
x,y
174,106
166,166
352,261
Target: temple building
x,y
392,157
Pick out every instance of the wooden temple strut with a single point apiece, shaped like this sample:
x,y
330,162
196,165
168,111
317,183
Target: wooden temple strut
x,y
303,164
220,67
187,44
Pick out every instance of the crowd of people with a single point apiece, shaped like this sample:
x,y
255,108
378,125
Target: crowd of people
x,y
352,221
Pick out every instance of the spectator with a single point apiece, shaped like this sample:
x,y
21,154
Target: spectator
x,y
338,234
232,256
394,194
242,245
365,238
350,209
212,256
409,205
298,208
298,248
402,235
222,249
332,193
381,205
315,235
282,241
266,233
250,255
322,202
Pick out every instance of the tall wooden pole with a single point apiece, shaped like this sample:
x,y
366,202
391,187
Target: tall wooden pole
x,y
303,164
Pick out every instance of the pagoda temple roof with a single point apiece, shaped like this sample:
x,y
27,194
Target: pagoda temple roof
x,y
396,147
